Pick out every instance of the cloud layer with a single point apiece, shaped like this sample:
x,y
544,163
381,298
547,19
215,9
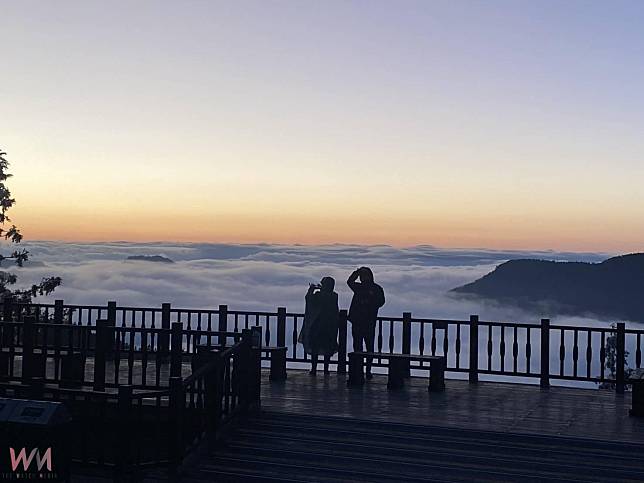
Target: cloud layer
x,y
262,277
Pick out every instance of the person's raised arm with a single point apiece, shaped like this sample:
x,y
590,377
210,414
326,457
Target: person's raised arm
x,y
309,292
351,282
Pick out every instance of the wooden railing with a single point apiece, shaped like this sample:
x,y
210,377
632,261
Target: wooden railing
x,y
542,351
129,427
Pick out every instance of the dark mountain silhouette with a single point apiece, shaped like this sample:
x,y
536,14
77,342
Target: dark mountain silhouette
x,y
613,288
149,258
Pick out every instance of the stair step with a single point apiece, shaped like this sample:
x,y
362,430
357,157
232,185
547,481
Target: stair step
x,y
287,468
496,463
296,447
382,437
362,446
329,422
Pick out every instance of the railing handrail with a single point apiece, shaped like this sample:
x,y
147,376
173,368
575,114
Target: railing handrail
x,y
501,347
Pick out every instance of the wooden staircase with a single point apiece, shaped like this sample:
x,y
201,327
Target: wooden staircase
x,y
275,446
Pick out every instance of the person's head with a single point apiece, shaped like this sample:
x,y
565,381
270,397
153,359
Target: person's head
x,y
366,275
327,284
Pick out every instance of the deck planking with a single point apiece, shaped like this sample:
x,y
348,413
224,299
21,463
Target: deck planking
x,y
488,406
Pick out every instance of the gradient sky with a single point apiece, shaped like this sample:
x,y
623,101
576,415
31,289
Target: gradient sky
x,y
507,124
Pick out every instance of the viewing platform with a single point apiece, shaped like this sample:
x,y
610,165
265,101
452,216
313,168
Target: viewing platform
x,y
222,395
315,428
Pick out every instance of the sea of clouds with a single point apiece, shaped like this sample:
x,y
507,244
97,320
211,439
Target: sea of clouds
x,y
264,276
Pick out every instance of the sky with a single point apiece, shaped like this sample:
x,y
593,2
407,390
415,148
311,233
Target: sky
x,y
501,124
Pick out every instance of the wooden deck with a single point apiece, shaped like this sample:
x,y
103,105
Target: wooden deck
x,y
489,406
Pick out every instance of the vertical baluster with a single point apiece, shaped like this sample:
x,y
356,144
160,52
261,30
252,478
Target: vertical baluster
x,y
602,356
379,335
268,329
421,339
638,352
117,355
589,354
515,350
391,336
294,337
433,343
446,341
575,352
144,355
458,346
489,347
236,323
245,321
130,358
502,347
227,387
528,350
562,351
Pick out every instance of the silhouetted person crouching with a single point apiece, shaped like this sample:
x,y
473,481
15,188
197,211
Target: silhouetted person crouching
x,y
319,334
368,297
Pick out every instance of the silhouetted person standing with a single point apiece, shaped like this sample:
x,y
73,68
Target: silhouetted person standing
x,y
368,297
319,334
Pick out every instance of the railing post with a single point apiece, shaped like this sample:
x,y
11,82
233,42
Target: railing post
x,y
100,355
545,353
36,388
27,348
110,333
176,405
123,448
164,338
223,324
111,312
59,310
474,349
281,326
213,382
620,358
253,338
406,340
176,349
342,342
7,308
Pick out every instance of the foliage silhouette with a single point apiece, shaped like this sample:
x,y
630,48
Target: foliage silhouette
x,y
18,256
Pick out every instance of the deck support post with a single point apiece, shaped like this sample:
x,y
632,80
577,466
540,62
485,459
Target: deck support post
x,y
474,349
545,353
176,406
356,370
124,405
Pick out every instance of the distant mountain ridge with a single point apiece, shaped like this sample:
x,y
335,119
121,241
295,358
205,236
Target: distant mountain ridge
x,y
613,288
